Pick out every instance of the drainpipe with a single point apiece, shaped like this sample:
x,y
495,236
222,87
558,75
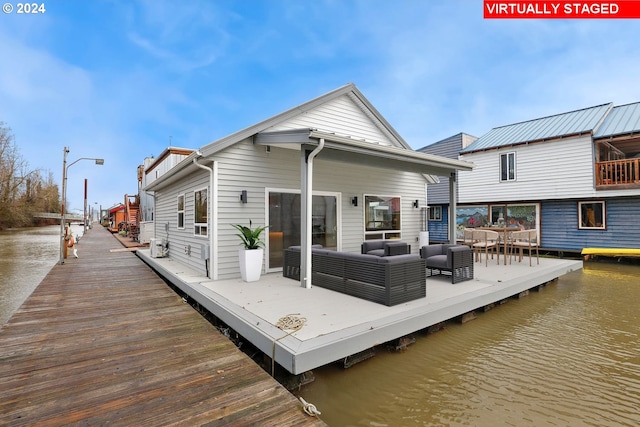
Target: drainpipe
x,y
213,224
305,249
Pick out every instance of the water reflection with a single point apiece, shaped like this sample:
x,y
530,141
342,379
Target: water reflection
x,y
26,256
566,356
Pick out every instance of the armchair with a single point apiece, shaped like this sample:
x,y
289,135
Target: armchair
x,y
457,259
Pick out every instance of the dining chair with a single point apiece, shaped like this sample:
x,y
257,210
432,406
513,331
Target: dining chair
x,y
467,237
525,239
487,240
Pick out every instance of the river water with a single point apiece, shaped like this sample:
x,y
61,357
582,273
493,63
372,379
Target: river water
x,y
566,356
26,256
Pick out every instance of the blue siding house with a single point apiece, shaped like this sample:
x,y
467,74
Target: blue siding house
x,y
438,193
573,176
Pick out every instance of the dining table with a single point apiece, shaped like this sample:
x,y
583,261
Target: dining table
x,y
505,238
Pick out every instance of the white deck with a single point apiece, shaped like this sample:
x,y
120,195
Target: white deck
x,y
339,325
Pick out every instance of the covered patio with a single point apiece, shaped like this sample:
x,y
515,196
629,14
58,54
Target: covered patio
x,y
314,144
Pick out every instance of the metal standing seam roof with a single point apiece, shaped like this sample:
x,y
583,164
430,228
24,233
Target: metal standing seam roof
x,y
622,119
551,127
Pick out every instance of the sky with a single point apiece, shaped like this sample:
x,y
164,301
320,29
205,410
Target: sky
x,y
123,80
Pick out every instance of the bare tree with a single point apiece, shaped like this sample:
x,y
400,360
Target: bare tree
x,y
22,192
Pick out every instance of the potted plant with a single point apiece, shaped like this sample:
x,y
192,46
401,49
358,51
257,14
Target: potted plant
x,y
252,253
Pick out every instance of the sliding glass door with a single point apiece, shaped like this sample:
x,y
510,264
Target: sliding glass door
x,y
284,223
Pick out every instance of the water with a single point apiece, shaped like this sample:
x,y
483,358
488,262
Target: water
x,y
566,356
26,256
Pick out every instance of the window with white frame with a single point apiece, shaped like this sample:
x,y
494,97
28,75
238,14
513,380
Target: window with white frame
x,y
180,211
382,217
435,213
592,215
508,166
200,212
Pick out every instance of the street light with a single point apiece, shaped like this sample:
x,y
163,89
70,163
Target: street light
x,y
65,168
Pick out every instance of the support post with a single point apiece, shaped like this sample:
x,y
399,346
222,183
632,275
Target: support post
x,y
306,201
452,208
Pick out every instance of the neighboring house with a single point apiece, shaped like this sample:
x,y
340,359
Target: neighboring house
x,y
152,169
573,176
117,216
438,193
331,171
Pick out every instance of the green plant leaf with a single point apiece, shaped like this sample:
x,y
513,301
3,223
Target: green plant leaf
x,y
249,236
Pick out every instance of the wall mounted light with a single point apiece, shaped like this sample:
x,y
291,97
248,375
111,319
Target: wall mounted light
x,y
354,201
416,204
243,196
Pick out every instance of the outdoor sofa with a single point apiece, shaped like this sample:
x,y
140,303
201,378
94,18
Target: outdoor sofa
x,y
456,259
387,280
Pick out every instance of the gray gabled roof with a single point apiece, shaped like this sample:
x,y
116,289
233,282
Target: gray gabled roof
x,y
622,120
349,89
576,122
400,155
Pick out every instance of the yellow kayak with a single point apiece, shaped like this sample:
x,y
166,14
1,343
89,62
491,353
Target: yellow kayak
x,y
614,252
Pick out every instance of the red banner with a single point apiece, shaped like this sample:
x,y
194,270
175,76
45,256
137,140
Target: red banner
x,y
563,9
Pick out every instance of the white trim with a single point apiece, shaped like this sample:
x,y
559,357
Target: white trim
x,y
364,216
515,166
178,211
603,213
200,224
215,264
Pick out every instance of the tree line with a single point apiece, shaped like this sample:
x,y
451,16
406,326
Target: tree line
x,y
23,192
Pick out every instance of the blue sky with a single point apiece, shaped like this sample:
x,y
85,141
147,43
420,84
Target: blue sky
x,y
123,80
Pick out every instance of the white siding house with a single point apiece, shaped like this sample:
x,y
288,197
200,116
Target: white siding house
x,y
264,173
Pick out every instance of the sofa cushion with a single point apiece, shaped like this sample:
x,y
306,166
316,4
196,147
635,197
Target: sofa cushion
x,y
396,248
431,250
372,245
376,252
437,262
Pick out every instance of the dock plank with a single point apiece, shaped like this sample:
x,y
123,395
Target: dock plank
x,y
104,340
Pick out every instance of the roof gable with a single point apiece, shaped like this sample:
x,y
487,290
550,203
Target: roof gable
x,y
342,110
623,119
543,129
344,116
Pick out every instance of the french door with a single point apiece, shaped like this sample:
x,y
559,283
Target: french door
x,y
284,220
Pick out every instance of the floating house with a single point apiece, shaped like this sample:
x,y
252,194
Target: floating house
x,y
573,176
331,171
150,170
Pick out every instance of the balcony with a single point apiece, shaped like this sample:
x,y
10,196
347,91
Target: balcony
x,y
618,174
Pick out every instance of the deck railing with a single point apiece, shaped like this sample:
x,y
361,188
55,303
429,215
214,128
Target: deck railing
x,y
618,172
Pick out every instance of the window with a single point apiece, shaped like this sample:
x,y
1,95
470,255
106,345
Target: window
x,y
180,211
508,167
523,216
591,216
435,213
382,217
200,212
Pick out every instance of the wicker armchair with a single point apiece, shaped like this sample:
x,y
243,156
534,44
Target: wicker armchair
x,y
456,259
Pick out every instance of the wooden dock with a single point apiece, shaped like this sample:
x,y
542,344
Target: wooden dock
x,y
103,340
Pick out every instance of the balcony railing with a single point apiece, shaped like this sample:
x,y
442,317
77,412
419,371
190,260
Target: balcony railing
x,y
624,173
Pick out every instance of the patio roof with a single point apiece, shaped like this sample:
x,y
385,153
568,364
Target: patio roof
x,y
346,149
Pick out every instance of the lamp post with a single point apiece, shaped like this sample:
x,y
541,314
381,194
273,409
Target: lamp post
x,y
65,168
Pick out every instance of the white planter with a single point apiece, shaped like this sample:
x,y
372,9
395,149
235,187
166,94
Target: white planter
x,y
250,264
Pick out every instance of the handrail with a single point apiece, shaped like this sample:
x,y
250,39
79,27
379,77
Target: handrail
x,y
616,172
